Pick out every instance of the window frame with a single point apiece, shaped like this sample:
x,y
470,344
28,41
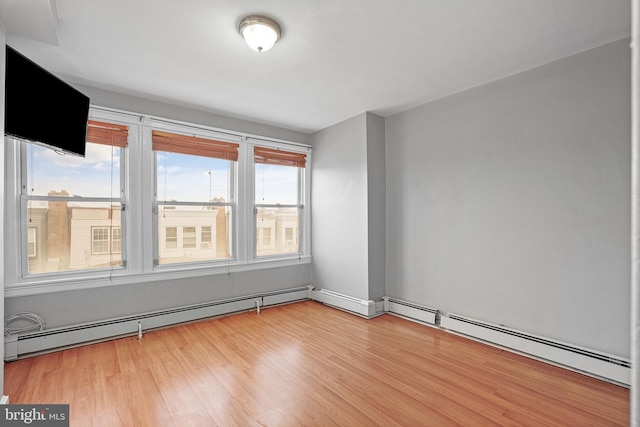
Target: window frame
x,y
138,231
303,203
22,180
159,204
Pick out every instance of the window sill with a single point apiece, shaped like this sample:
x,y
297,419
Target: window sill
x,y
36,286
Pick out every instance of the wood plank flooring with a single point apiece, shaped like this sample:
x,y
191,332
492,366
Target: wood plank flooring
x,y
308,364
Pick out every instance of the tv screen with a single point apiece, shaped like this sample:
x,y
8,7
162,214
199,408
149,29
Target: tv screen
x,y
41,108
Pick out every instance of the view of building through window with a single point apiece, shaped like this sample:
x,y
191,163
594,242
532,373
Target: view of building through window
x,y
70,235
73,207
194,214
277,194
193,233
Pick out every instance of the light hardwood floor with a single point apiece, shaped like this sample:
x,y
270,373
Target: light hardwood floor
x,y
308,364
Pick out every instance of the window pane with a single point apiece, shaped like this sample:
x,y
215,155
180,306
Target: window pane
x,y
186,178
276,184
72,235
100,240
116,243
189,237
96,175
31,241
277,231
171,237
193,233
206,237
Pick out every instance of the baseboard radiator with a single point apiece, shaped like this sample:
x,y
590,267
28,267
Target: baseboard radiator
x,y
366,308
411,311
24,345
580,359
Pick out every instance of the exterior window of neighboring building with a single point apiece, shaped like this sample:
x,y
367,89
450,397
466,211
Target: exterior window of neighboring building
x,y
195,190
171,238
205,237
290,237
279,179
266,237
189,237
31,242
116,240
74,202
99,240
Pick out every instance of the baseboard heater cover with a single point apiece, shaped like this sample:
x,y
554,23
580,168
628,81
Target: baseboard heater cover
x,y
17,346
411,311
574,357
366,308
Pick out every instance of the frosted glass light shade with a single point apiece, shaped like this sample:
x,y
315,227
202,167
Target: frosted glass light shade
x,y
259,32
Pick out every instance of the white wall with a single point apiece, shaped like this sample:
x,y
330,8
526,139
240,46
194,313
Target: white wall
x,y
510,202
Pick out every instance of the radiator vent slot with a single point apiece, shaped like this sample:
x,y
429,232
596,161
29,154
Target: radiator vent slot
x,y
412,311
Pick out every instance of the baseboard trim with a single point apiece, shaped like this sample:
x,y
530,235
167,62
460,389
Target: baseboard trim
x,y
364,308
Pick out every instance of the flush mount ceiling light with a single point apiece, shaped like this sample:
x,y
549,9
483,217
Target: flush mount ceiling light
x,y
259,32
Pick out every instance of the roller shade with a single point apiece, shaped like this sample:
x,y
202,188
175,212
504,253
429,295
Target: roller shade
x,y
107,133
272,156
183,144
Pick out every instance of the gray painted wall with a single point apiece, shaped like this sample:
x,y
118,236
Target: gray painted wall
x,y
348,207
339,241
376,193
167,110
76,307
510,202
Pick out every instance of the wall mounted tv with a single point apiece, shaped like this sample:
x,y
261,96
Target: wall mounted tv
x,y
41,108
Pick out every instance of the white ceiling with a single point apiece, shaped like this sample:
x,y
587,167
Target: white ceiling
x,y
336,58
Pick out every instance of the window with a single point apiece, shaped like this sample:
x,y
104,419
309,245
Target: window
x,y
266,237
195,191
152,197
116,240
99,240
75,202
171,238
189,237
31,242
205,237
279,178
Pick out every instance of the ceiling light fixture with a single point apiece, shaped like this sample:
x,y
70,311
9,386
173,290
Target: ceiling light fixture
x,y
259,32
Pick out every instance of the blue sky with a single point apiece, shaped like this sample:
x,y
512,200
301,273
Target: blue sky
x,y
88,177
180,177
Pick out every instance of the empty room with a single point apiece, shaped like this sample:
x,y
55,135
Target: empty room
x,y
320,213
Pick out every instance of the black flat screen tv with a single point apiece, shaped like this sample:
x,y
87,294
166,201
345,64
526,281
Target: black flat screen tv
x,y
43,109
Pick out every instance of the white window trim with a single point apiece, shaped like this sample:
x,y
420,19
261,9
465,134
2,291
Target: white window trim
x,y
139,214
304,248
